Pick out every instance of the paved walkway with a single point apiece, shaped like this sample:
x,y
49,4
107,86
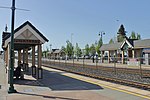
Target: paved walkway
x,y
3,81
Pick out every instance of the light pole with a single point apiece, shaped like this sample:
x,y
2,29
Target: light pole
x,y
101,40
72,45
71,37
50,47
101,35
11,63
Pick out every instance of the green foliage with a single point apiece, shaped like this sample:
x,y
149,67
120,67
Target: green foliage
x,y
69,48
100,42
47,49
111,41
138,36
122,30
120,38
44,53
92,49
97,48
121,34
87,50
77,51
64,49
135,36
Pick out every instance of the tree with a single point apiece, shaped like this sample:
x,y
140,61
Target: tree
x,y
111,41
121,34
69,48
87,50
138,36
97,48
92,49
47,49
64,49
45,52
77,51
133,36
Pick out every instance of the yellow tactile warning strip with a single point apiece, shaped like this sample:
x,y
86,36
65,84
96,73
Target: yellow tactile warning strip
x,y
84,78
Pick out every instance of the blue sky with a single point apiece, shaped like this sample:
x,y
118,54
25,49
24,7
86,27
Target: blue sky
x,y
58,19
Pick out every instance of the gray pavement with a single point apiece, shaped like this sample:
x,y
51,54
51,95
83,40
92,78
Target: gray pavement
x,y
60,85
3,81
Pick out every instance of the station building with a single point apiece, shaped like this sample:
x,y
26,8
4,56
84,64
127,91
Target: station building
x,y
56,54
128,50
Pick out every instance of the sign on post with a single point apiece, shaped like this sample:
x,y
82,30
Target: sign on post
x,y
133,62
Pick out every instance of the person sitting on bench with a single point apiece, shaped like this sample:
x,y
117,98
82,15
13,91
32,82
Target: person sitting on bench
x,y
17,72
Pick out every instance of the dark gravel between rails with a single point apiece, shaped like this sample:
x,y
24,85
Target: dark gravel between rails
x,y
115,75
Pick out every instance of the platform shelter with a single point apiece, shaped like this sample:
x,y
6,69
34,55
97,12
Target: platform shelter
x,y
26,37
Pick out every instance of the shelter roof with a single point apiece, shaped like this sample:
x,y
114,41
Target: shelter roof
x,y
35,29
24,36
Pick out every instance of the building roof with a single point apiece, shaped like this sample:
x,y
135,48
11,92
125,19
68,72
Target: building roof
x,y
142,43
58,51
113,46
50,52
55,51
129,42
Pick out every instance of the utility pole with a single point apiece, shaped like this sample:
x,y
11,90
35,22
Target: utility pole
x,y
11,63
72,47
50,47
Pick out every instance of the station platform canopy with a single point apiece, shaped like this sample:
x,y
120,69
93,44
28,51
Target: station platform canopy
x,y
25,36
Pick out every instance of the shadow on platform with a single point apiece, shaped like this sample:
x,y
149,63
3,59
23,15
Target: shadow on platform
x,y
58,82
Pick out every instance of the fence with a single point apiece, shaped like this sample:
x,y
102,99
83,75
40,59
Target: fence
x,y
114,63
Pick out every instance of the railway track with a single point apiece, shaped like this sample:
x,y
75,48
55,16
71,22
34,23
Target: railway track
x,y
116,74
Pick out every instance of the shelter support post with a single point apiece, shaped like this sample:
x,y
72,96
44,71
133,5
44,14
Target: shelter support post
x,y
133,54
102,59
33,61
108,56
123,57
24,59
40,71
26,64
19,57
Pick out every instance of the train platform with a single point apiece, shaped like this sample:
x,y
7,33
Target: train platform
x,y
60,85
